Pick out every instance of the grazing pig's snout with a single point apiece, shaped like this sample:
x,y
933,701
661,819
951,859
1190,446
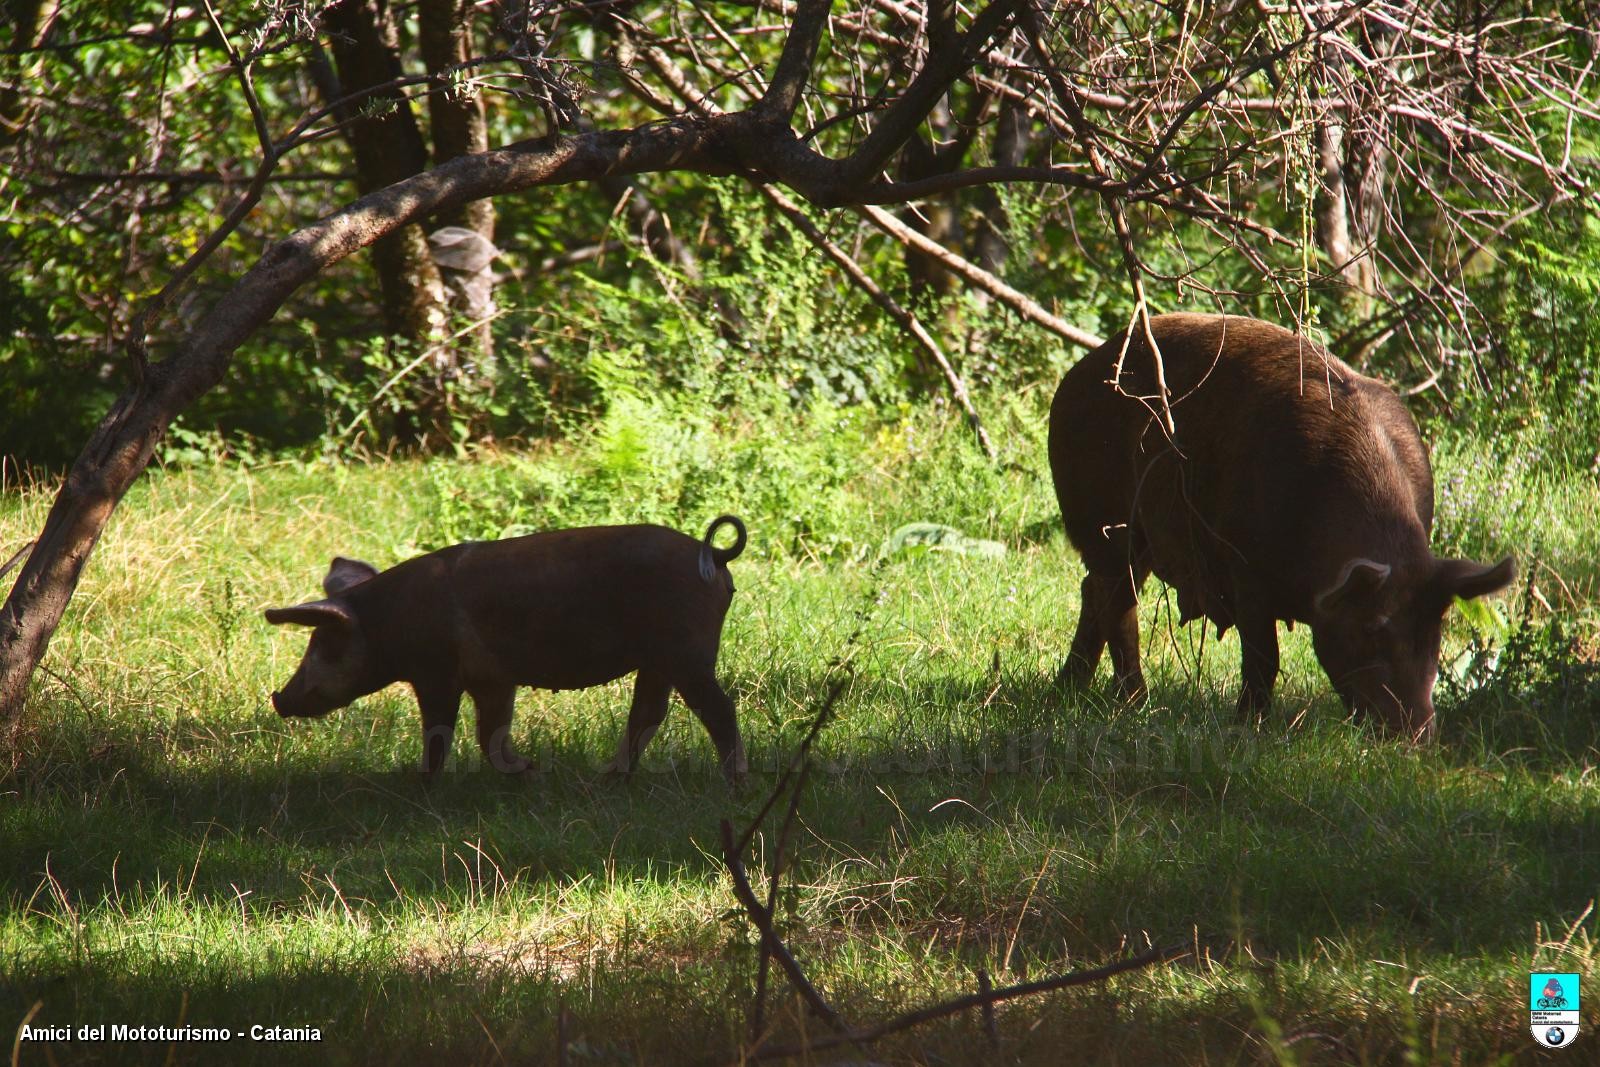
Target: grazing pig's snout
x,y
292,706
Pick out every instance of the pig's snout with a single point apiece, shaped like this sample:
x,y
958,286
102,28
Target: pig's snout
x,y
296,702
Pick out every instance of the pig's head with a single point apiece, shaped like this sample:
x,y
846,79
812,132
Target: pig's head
x,y
1376,633
338,666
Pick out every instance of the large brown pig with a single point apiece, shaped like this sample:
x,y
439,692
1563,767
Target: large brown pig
x,y
1293,488
565,609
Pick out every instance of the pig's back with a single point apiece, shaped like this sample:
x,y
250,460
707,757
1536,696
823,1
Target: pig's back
x,y
571,608
1279,446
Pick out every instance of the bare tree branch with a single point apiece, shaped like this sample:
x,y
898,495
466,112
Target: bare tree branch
x,y
794,65
867,1035
1019,302
774,945
896,124
907,321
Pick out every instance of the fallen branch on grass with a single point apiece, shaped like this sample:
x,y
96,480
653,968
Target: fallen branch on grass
x,y
769,937
792,781
985,1000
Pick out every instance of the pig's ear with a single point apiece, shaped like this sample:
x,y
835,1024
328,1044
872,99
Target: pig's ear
x,y
1358,579
343,573
1467,580
314,613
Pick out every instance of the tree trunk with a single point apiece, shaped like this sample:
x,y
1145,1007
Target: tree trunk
x,y
30,23
459,128
388,148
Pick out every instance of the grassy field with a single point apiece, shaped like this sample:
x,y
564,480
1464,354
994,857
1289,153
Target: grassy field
x,y
177,855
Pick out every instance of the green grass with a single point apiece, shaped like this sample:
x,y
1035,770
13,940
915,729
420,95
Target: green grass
x,y
175,853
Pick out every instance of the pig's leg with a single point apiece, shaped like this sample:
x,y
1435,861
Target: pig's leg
x,y
1258,642
494,705
1087,643
1119,615
440,705
651,692
711,704
1118,567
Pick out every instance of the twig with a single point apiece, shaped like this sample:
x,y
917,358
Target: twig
x,y
985,987
798,771
1014,299
572,257
868,1034
187,177
775,879
16,558
802,754
907,321
774,944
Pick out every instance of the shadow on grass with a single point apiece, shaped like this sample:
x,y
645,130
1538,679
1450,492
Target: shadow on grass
x,y
654,1011
991,803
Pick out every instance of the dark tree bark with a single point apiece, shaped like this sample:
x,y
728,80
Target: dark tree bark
x,y
459,128
388,148
455,116
1011,138
30,24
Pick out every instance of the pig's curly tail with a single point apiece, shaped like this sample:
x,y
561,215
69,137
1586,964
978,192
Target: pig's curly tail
x,y
712,556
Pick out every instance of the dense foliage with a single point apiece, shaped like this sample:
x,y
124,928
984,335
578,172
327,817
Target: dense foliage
x,y
687,284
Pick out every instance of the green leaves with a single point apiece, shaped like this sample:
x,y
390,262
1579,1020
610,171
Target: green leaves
x,y
1482,615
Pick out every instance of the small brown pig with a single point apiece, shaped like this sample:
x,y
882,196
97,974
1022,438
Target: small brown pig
x,y
563,609
1292,487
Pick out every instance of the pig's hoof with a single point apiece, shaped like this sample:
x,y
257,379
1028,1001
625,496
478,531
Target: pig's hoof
x,y
617,771
511,763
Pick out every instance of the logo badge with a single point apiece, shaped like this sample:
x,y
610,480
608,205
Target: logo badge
x,y
1553,1007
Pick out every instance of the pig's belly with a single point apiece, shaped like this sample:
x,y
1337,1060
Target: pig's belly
x,y
572,679
580,661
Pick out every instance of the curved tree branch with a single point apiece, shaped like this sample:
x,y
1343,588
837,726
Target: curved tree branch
x,y
1017,301
122,445
906,320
